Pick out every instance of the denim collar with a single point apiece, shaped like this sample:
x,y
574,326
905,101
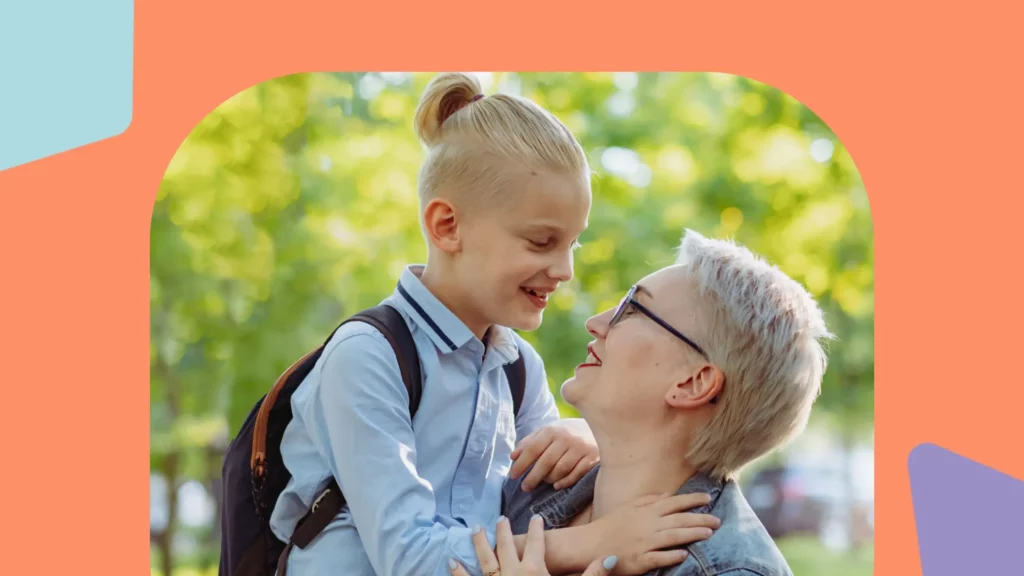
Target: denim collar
x,y
564,505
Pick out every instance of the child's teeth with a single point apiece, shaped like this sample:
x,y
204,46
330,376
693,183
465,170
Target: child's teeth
x,y
535,293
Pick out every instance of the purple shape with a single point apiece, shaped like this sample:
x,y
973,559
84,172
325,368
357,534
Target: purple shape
x,y
970,518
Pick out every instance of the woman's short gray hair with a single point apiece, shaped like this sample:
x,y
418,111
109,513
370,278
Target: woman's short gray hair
x,y
764,331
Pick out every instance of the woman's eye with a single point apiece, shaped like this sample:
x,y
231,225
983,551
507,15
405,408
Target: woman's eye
x,y
543,244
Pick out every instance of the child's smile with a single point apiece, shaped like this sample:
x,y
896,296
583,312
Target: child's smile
x,y
537,296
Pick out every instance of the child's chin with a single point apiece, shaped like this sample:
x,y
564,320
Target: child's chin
x,y
527,322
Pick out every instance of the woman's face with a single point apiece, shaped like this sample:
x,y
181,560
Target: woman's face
x,y
634,365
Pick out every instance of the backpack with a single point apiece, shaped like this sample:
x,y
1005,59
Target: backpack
x,y
254,475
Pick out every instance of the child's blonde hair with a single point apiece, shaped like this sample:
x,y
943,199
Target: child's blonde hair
x,y
476,144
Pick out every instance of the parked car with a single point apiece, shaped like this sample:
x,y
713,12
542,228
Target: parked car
x,y
795,500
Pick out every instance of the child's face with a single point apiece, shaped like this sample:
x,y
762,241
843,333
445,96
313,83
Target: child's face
x,y
515,256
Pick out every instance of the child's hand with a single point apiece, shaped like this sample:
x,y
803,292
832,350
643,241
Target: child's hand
x,y
560,454
641,533
507,563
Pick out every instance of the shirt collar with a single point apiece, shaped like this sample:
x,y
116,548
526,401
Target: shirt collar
x,y
447,331
502,340
430,315
701,482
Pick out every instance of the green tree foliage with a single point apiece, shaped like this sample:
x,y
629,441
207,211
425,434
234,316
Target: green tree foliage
x,y
294,204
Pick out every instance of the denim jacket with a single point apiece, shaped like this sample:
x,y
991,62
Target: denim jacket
x,y
740,547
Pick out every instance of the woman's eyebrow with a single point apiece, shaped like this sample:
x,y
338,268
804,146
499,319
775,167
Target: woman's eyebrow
x,y
641,290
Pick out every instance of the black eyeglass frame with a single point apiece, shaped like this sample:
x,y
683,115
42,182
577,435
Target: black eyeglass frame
x,y
630,300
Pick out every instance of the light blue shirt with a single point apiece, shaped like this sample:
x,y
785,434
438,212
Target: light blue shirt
x,y
414,488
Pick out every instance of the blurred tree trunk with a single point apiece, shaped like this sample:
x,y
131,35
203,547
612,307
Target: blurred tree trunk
x,y
171,471
165,539
850,418
214,458
849,445
848,429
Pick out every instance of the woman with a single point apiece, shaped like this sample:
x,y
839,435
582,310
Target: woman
x,y
705,366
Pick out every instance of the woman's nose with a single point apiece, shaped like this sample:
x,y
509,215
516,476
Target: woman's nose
x,y
598,325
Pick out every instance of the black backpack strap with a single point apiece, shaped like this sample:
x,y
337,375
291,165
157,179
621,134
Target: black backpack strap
x,y
392,325
516,375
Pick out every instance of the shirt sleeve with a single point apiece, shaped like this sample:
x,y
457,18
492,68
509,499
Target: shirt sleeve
x,y
538,409
360,423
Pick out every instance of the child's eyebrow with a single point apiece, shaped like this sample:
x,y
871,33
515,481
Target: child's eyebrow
x,y
552,229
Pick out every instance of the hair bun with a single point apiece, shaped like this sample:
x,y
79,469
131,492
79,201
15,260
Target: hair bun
x,y
445,95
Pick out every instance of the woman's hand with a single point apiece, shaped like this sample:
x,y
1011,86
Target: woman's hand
x,y
560,453
643,532
507,561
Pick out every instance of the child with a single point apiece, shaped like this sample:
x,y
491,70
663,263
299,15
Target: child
x,y
504,194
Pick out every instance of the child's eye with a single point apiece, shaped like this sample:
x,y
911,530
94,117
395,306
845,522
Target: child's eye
x,y
543,244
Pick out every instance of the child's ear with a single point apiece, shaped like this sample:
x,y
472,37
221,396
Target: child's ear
x,y
440,220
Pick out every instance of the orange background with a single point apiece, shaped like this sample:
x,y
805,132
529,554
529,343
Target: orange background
x,y
919,96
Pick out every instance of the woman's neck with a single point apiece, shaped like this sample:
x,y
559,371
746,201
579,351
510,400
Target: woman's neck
x,y
634,469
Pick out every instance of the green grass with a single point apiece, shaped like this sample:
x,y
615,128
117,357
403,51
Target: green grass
x,y
807,557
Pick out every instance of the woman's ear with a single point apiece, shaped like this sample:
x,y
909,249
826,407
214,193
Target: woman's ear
x,y
441,223
703,386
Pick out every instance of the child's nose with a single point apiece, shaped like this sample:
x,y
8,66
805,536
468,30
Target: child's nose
x,y
561,269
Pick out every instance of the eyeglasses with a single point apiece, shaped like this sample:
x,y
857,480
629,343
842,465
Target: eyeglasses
x,y
630,302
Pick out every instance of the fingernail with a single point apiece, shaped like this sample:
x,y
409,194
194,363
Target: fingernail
x,y
476,529
501,519
610,562
708,532
451,565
